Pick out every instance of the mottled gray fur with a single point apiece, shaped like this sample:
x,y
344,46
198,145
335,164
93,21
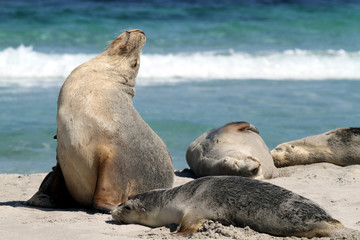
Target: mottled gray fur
x,y
229,200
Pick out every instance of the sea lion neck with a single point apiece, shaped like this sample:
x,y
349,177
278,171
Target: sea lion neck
x,y
121,59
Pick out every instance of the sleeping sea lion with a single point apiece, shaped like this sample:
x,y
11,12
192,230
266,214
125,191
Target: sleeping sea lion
x,y
339,146
234,200
233,149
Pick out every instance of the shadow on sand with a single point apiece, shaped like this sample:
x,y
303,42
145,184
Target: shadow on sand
x,y
23,204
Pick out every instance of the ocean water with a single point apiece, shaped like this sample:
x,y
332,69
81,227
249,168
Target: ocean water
x,y
291,68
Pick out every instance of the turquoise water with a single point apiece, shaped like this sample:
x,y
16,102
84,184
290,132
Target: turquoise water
x,y
281,110
84,26
291,69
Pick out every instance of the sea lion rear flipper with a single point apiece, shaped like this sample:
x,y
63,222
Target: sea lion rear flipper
x,y
190,224
52,192
241,126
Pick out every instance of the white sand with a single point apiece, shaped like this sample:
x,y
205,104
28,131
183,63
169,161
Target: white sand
x,y
336,189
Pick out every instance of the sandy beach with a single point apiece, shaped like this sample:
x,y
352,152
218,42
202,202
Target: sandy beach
x,y
336,189
290,68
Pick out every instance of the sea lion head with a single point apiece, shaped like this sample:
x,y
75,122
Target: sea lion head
x,y
279,154
124,54
131,211
290,153
144,208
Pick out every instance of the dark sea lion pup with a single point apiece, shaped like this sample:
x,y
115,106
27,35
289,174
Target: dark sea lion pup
x,y
234,200
106,152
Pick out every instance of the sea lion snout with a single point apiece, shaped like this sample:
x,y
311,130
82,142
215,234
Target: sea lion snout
x,y
278,154
127,41
119,213
129,212
279,150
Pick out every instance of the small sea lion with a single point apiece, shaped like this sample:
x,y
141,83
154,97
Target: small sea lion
x,y
339,146
106,152
233,149
234,200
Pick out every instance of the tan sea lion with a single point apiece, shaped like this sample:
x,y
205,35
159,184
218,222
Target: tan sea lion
x,y
230,200
106,152
339,146
233,149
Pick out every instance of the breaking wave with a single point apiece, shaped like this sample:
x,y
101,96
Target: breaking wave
x,y
25,66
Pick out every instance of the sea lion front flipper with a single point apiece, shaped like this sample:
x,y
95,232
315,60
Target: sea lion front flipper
x,y
190,224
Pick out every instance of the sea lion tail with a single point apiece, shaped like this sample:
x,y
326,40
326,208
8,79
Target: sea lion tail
x,y
339,231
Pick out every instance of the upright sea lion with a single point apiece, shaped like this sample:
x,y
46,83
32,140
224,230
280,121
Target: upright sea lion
x,y
234,200
233,149
106,152
339,146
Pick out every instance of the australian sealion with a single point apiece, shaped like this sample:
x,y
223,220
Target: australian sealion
x,y
234,200
339,146
106,153
233,149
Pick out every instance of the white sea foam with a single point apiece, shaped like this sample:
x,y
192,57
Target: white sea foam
x,y
290,64
25,66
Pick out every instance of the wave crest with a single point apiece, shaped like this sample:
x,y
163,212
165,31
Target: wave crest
x,y
25,63
287,65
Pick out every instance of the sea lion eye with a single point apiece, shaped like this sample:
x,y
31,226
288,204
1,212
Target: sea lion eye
x,y
134,64
255,171
127,206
